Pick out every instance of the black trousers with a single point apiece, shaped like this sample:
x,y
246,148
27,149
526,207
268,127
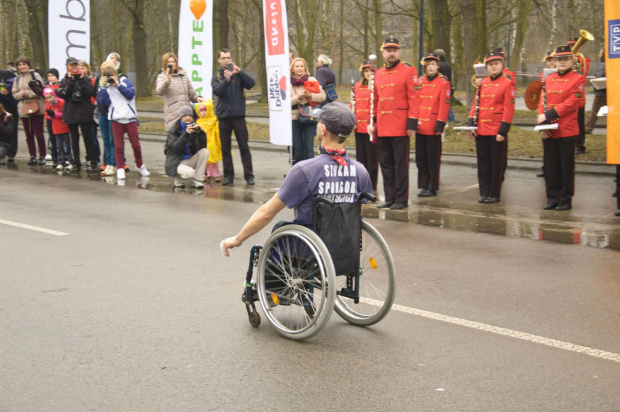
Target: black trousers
x,y
87,129
367,153
13,110
491,156
581,120
559,160
428,160
238,125
394,162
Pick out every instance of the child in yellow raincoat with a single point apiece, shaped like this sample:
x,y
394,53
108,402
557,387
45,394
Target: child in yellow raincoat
x,y
208,122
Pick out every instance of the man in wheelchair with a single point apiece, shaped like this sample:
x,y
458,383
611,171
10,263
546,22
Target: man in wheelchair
x,y
332,176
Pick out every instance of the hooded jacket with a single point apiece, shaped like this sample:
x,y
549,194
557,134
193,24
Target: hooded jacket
x,y
176,144
210,125
120,101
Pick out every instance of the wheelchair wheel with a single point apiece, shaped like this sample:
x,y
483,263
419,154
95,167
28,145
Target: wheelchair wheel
x,y
295,282
377,282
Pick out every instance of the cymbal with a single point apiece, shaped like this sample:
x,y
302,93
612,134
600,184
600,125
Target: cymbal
x,y
532,94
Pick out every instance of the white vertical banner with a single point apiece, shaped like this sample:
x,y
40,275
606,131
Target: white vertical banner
x,y
196,43
68,32
278,72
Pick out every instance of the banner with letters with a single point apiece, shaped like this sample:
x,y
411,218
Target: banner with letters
x,y
196,43
278,72
612,71
68,32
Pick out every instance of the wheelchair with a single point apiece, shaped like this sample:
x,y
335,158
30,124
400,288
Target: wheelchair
x,y
298,285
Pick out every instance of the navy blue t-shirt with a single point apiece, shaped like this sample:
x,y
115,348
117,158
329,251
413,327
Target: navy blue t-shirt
x,y
322,176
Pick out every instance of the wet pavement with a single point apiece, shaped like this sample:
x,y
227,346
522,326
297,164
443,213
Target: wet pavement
x,y
519,214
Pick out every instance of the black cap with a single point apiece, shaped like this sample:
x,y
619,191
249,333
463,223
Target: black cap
x,y
429,57
54,72
337,118
365,63
390,42
572,41
493,55
565,50
71,60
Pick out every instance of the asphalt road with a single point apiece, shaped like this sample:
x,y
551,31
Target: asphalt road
x,y
132,307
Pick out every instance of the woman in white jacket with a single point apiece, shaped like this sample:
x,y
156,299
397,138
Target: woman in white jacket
x,y
118,95
175,87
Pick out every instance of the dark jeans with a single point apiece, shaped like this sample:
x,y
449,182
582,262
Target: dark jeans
x,y
367,153
33,126
238,125
559,159
63,148
491,156
303,140
86,129
96,146
13,110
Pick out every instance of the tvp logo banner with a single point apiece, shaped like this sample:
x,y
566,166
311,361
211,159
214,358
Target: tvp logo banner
x,y
612,71
278,72
68,32
196,43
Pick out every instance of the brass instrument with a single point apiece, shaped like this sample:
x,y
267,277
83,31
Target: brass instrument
x,y
578,58
584,36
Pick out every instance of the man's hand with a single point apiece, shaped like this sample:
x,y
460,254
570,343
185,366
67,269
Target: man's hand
x,y
229,243
236,69
370,130
410,132
472,134
227,74
541,118
545,134
500,138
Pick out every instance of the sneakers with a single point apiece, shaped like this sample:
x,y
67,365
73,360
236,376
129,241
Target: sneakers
x,y
197,184
59,166
110,171
178,182
120,174
42,161
103,168
48,157
73,168
32,161
142,170
126,168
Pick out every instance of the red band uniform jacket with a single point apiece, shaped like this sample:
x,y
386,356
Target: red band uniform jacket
x,y
362,107
396,100
565,96
434,104
496,106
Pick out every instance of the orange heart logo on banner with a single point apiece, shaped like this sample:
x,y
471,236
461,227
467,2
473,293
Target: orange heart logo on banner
x,y
198,7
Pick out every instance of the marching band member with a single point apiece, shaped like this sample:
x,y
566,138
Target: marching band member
x,y
564,96
581,66
396,93
366,151
432,118
550,63
492,113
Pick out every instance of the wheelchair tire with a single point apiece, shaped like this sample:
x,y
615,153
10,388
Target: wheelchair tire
x,y
377,282
295,282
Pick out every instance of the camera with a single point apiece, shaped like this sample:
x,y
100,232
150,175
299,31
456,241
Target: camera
x,y
195,126
229,66
111,80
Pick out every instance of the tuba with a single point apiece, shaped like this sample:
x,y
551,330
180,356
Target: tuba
x,y
579,59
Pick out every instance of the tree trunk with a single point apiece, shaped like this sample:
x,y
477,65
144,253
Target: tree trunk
x,y
522,26
442,24
37,38
143,86
474,36
220,25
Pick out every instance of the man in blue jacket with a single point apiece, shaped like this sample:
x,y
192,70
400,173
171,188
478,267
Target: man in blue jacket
x,y
228,85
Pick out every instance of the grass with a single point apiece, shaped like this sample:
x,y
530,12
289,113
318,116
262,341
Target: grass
x,y
522,143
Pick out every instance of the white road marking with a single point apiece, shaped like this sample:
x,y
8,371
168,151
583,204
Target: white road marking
x,y
35,228
506,332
